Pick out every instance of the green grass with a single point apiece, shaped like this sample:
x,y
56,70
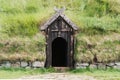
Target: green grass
x,y
93,17
100,74
12,73
98,22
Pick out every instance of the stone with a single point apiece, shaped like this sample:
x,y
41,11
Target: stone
x,y
101,66
81,65
117,63
111,64
93,66
16,64
37,64
24,64
6,64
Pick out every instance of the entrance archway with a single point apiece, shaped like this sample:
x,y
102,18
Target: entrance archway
x,y
59,52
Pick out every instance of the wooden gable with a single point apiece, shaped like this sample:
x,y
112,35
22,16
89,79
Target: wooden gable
x,y
59,16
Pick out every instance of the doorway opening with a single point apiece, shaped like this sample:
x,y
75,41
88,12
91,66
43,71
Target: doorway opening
x,y
59,52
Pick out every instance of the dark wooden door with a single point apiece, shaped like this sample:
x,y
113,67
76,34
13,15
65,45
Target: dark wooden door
x,y
59,52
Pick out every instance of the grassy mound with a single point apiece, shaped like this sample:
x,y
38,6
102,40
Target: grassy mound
x,y
98,20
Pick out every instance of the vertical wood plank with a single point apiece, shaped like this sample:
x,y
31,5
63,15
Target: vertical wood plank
x,y
60,28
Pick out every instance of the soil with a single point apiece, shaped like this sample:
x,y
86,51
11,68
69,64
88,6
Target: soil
x,y
59,76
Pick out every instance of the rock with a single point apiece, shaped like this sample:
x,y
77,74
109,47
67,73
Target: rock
x,y
117,63
16,64
93,66
81,65
6,64
101,66
38,64
24,64
111,64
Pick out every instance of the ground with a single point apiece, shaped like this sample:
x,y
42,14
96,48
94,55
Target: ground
x,y
59,76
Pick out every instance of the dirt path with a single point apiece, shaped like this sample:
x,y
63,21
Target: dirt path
x,y
59,76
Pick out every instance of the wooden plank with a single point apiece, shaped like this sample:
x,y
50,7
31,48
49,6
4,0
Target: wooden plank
x,y
60,28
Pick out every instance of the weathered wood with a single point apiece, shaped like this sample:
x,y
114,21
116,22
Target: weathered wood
x,y
56,16
59,26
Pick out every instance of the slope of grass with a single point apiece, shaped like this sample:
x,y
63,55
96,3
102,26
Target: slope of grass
x,y
98,20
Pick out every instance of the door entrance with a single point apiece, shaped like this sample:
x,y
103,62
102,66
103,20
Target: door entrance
x,y
59,52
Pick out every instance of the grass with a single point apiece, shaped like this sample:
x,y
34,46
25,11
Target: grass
x,y
100,74
98,21
12,73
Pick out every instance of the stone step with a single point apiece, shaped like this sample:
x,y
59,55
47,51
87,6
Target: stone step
x,y
61,69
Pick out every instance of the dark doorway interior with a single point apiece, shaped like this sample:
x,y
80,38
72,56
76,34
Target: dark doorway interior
x,y
59,52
